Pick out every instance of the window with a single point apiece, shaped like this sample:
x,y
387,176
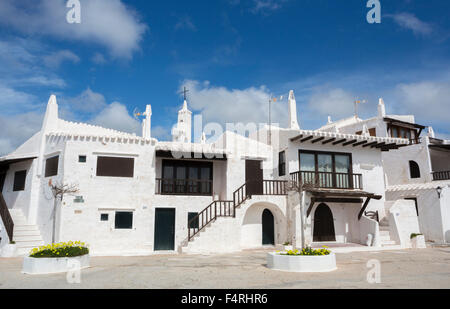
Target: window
x,y
124,220
282,163
414,169
82,159
19,181
359,133
187,177
194,224
373,132
115,167
402,132
104,217
328,170
51,166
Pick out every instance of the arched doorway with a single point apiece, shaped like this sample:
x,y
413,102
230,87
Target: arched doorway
x,y
323,224
268,228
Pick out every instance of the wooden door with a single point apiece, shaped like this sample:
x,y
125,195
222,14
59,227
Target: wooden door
x,y
254,177
268,228
323,224
164,229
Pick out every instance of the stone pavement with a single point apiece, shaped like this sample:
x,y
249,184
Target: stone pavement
x,y
425,268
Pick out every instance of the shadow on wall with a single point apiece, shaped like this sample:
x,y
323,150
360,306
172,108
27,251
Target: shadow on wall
x,y
447,236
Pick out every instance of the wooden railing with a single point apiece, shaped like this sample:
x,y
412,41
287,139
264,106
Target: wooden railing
x,y
374,215
328,180
183,187
6,217
228,208
444,175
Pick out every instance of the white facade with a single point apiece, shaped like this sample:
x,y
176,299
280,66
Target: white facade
x,y
267,215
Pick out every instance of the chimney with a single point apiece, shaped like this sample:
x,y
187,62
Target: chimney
x,y
147,123
381,109
293,123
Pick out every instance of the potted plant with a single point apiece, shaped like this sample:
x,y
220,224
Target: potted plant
x,y
287,246
9,250
418,241
57,258
306,260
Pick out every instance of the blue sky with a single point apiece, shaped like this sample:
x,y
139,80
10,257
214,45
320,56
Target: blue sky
x,y
232,54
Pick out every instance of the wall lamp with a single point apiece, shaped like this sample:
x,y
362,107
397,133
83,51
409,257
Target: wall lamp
x,y
439,191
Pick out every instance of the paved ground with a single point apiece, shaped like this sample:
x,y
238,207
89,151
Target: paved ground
x,y
426,268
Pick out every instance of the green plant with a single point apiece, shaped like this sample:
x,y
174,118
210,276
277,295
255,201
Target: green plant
x,y
414,235
307,251
60,250
12,242
287,243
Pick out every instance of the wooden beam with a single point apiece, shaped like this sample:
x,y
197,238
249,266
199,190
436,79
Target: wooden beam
x,y
350,142
306,139
363,208
318,140
360,143
339,141
338,200
379,145
313,201
329,140
370,144
296,138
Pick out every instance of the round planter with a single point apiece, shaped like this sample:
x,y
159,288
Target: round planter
x,y
40,266
8,251
301,264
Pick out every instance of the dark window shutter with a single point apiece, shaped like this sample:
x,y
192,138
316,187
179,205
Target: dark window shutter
x,y
115,167
414,169
194,224
51,166
124,220
19,180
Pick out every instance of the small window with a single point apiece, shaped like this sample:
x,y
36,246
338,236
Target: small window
x,y
359,133
194,224
124,220
282,163
19,181
373,132
115,167
414,169
51,166
104,217
82,159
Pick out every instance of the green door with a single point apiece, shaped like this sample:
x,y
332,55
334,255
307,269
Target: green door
x,y
164,229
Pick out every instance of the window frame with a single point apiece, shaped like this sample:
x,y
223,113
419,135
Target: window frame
x,y
51,172
123,212
197,222
413,172
282,163
100,167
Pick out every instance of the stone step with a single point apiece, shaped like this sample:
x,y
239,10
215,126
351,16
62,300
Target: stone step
x,y
29,243
385,238
27,238
387,243
30,232
25,227
385,233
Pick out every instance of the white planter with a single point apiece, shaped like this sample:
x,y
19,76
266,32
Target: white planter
x,y
40,266
418,242
8,251
302,264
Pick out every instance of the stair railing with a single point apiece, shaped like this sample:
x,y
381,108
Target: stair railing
x,y
374,215
6,217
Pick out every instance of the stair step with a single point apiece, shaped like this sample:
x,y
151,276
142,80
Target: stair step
x,y
385,233
33,232
25,227
23,238
385,238
29,243
387,242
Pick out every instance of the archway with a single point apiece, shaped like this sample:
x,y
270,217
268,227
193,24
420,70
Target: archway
x,y
323,224
268,228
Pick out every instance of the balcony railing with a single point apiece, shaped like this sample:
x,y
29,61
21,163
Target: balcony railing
x,y
184,187
329,180
444,175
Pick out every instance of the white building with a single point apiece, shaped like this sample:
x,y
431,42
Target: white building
x,y
418,173
137,195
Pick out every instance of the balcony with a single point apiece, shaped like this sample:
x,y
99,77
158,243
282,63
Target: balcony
x,y
444,175
329,180
192,187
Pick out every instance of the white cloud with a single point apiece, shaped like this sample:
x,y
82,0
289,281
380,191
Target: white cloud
x,y
334,102
185,23
411,22
222,105
428,100
87,101
107,22
54,60
98,58
12,100
116,116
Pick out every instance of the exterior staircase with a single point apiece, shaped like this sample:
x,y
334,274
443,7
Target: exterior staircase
x,y
26,236
385,234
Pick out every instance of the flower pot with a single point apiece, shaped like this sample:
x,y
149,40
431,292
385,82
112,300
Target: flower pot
x,y
418,242
40,266
9,250
302,263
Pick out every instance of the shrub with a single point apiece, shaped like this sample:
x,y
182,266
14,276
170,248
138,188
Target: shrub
x,y
307,251
60,250
287,243
414,235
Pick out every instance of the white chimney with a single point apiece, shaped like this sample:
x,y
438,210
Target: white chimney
x,y
381,108
293,123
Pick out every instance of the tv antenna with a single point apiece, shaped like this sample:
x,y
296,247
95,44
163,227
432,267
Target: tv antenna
x,y
137,114
184,92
